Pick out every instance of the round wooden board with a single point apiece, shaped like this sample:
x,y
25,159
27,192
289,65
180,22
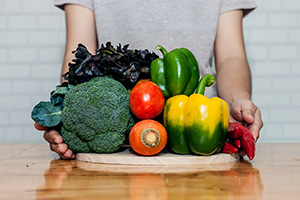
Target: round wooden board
x,y
128,157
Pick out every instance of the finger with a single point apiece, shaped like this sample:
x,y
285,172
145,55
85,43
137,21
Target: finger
x,y
257,125
62,150
54,147
39,127
62,156
236,113
53,136
248,112
69,154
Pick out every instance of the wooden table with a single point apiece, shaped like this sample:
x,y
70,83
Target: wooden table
x,y
31,171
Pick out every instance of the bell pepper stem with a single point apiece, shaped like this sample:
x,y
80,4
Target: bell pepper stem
x,y
206,81
162,49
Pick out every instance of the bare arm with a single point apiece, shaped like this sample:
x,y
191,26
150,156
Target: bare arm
x,y
233,73
80,28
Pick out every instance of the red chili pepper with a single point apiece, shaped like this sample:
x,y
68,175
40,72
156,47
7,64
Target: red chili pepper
x,y
229,148
237,131
237,143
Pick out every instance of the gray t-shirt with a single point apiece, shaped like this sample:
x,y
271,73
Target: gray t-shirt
x,y
171,23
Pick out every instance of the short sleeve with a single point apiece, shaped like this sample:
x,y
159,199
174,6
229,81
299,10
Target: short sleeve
x,y
85,3
246,5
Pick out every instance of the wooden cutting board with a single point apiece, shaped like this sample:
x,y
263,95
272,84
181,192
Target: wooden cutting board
x,y
128,157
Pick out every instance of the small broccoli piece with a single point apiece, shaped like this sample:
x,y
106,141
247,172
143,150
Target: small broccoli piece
x,y
106,143
74,142
96,116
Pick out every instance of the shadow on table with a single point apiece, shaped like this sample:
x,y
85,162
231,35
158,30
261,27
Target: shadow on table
x,y
71,179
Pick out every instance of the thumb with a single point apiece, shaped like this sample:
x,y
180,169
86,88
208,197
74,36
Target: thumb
x,y
248,112
40,127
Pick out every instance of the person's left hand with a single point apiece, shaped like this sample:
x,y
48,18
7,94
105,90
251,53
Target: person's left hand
x,y
247,113
243,131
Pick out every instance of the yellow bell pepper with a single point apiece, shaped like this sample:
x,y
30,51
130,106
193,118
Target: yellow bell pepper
x,y
196,124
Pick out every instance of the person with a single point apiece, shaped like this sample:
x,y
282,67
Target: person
x,y
210,29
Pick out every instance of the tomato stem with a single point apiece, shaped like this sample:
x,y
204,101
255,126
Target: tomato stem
x,y
150,137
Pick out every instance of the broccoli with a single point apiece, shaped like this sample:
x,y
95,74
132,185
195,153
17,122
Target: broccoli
x,y
96,116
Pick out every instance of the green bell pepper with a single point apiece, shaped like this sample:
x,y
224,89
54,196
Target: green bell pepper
x,y
196,124
176,73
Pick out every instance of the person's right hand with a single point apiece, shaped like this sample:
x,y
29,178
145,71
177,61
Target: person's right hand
x,y
56,142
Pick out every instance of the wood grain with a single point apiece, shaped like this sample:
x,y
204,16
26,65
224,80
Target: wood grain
x,y
128,157
32,171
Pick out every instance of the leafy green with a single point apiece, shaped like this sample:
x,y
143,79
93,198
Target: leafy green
x,y
126,65
46,114
57,96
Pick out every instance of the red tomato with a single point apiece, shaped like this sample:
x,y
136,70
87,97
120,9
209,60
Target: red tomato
x,y
146,100
39,127
148,137
142,80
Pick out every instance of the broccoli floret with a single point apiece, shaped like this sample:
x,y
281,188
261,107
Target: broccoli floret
x,y
74,142
96,116
106,143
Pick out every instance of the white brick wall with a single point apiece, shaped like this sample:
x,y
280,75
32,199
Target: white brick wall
x,y
272,41
32,45
31,53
